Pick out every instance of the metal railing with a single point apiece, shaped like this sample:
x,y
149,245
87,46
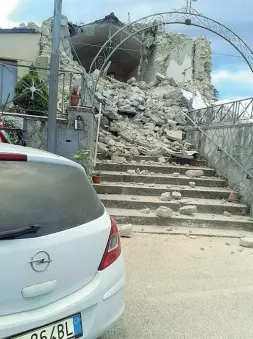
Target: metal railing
x,y
223,135
240,110
67,80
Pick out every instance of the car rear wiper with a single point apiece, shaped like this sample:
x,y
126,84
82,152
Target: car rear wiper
x,y
18,232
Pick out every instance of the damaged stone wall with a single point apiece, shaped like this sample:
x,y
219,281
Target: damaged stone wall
x,y
177,56
144,117
170,54
67,62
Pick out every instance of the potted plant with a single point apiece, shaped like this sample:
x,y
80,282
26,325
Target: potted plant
x,y
96,177
75,98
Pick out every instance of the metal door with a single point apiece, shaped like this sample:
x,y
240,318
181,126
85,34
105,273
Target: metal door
x,y
67,143
8,79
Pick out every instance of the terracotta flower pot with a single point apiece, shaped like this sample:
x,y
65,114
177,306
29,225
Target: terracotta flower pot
x,y
234,197
96,179
74,100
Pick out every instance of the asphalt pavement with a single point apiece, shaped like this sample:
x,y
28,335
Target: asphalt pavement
x,y
182,287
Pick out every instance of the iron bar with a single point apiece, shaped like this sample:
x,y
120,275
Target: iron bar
x,y
63,90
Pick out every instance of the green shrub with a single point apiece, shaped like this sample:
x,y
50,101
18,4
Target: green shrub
x,y
23,95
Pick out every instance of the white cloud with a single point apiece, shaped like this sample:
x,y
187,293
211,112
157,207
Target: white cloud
x,y
7,8
243,78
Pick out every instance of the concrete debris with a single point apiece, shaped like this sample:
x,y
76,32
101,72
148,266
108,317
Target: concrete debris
x,y
176,195
175,135
227,214
145,211
162,160
194,173
246,242
165,196
126,231
192,184
188,210
160,77
176,175
164,212
143,117
131,172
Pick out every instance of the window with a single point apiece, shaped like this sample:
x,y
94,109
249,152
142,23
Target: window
x,y
54,196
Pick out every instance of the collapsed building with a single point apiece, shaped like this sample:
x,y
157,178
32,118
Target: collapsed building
x,y
151,82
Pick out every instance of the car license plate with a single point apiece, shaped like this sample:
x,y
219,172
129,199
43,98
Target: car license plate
x,y
68,328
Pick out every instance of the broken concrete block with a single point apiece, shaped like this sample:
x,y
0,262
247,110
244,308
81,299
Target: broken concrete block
x,y
145,211
188,210
162,160
176,195
160,77
174,135
102,148
131,172
192,184
246,242
164,212
126,231
176,175
117,159
227,214
194,173
188,146
165,196
172,82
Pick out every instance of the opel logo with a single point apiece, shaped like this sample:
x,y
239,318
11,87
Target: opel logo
x,y
40,261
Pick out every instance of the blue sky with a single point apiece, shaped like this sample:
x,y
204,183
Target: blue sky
x,y
231,75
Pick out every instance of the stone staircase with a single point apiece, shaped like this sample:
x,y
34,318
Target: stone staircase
x,y
126,195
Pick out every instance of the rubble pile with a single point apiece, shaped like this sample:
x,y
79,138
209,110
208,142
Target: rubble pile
x,y
139,118
145,119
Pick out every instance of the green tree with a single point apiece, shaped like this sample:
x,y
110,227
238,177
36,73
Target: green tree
x,y
31,93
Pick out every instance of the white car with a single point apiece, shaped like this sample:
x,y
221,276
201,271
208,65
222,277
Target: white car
x,y
61,266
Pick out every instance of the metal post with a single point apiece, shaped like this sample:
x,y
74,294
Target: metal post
x,y
70,87
98,128
53,78
63,94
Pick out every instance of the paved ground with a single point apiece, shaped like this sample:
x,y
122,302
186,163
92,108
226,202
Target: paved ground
x,y
180,288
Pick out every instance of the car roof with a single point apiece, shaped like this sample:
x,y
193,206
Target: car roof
x,y
36,155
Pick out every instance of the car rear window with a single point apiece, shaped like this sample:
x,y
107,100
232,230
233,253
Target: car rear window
x,y
56,197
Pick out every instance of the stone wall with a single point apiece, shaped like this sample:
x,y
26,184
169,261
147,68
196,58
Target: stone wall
x,y
69,140
228,149
34,127
180,57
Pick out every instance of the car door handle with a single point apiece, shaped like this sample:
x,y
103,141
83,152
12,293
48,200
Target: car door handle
x,y
40,289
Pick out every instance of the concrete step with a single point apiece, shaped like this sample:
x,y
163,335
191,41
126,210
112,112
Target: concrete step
x,y
140,158
140,202
194,232
161,179
164,169
128,216
157,190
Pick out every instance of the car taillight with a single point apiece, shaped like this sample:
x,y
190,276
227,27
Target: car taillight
x,y
113,248
13,157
